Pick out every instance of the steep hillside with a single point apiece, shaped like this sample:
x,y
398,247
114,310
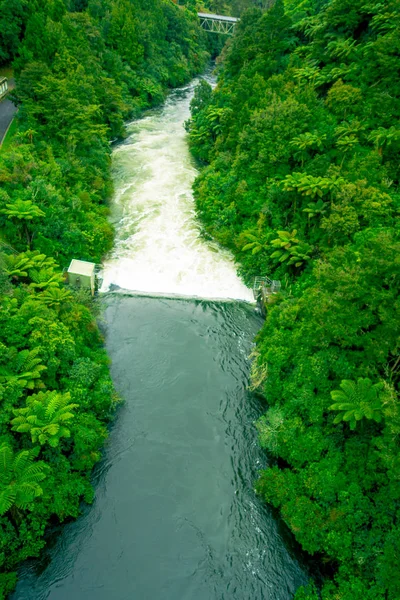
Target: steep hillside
x,y
300,144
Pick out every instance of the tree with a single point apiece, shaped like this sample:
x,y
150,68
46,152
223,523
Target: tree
x,y
13,15
290,249
306,142
317,209
382,137
26,211
254,244
45,417
358,400
308,185
269,428
24,368
23,210
17,265
45,278
55,296
20,476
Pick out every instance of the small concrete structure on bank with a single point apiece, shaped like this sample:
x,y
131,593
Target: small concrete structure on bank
x,y
81,274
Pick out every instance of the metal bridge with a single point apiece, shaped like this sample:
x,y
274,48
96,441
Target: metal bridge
x,y
217,23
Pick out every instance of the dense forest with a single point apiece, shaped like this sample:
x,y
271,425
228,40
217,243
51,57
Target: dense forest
x,y
300,148
82,68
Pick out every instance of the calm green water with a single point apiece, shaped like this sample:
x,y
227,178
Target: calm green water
x,y
175,516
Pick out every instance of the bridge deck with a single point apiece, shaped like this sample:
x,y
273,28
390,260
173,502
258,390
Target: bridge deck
x,y
218,18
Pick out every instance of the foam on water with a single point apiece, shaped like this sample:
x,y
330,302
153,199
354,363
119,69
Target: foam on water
x,y
158,247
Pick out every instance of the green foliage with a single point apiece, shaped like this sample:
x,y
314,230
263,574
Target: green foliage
x,y
13,15
87,72
307,185
22,210
44,333
23,368
7,583
290,249
301,181
356,401
17,265
45,417
54,297
318,209
254,244
20,476
45,278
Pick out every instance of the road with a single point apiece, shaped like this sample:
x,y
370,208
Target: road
x,y
7,112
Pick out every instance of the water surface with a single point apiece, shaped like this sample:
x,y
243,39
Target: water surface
x,y
158,247
175,515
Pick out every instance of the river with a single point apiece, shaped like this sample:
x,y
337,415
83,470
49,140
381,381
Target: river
x,y
175,516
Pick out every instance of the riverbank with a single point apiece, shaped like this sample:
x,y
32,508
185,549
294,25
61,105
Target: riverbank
x,y
300,183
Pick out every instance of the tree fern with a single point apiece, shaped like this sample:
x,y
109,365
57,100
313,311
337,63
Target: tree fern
x,y
45,417
358,400
54,296
23,368
17,265
24,210
45,278
20,476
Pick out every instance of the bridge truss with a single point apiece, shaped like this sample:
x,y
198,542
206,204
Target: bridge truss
x,y
217,23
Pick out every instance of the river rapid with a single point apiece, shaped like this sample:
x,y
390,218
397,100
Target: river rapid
x,y
175,516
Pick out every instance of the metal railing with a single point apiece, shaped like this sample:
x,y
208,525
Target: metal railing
x,y
264,286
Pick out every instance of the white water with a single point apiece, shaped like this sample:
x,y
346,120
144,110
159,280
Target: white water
x,y
158,247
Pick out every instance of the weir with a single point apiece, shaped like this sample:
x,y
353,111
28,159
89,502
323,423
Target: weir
x,y
159,247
